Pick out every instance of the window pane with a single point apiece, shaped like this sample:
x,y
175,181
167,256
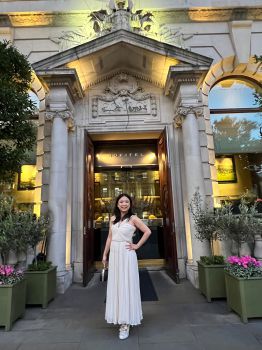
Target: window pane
x,y
34,98
232,93
240,175
237,132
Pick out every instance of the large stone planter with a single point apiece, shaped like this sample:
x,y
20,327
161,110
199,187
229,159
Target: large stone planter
x,y
12,303
244,296
41,287
211,280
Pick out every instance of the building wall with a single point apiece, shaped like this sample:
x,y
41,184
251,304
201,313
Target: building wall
x,y
229,32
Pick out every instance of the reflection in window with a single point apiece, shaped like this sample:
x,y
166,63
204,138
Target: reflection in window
x,y
231,94
237,127
237,132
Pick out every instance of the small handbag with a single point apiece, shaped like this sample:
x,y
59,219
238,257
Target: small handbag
x,y
104,274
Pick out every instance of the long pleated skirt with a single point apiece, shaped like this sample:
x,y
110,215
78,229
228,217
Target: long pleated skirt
x,y
123,300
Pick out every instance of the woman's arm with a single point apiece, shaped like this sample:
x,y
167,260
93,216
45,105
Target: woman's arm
x,y
108,243
138,223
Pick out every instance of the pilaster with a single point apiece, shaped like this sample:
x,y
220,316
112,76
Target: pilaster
x,y
59,121
183,86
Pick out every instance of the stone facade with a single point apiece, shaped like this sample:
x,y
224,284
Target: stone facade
x,y
114,71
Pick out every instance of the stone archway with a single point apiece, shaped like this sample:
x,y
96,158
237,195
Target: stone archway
x,y
229,67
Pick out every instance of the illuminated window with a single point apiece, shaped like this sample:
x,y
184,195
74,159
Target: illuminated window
x,y
237,127
27,177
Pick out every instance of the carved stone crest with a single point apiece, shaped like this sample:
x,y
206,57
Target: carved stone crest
x,y
123,96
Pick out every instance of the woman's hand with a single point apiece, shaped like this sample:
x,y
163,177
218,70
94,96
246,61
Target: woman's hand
x,y
104,260
132,246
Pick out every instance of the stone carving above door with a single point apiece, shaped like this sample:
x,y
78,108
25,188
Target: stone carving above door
x,y
124,97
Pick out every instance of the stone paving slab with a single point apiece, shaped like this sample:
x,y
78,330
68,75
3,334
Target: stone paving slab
x,y
170,346
182,319
55,346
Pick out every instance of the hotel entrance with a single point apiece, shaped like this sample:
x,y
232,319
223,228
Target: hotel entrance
x,y
139,168
133,169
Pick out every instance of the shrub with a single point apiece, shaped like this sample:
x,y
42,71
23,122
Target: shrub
x,y
40,266
212,260
207,221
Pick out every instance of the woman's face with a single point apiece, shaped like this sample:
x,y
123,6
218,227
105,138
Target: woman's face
x,y
123,204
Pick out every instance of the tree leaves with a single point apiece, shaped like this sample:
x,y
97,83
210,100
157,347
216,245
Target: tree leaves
x,y
17,131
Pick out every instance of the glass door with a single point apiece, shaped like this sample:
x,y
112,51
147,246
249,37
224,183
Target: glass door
x,y
143,186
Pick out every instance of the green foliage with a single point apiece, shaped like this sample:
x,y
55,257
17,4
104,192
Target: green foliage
x,y
6,227
213,260
240,227
40,266
207,221
17,132
19,230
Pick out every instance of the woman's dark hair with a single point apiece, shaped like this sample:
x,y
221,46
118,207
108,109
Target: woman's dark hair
x,y
117,212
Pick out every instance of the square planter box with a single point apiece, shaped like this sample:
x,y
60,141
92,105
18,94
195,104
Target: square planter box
x,y
12,303
244,296
41,286
211,280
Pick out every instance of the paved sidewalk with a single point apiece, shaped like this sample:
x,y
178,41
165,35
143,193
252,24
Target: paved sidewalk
x,y
180,320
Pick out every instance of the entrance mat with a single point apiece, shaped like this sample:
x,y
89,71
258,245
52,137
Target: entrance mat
x,y
147,289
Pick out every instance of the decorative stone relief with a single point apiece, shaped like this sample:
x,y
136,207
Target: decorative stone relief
x,y
183,111
123,96
120,15
174,36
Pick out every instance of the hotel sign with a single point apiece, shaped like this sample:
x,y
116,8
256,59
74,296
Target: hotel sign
x,y
126,156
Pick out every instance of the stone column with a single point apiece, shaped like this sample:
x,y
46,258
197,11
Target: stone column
x,y
58,194
186,117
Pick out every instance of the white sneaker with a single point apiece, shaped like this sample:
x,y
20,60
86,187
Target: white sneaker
x,y
124,331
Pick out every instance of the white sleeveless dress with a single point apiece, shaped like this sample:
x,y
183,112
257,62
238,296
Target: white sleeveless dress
x,y
123,300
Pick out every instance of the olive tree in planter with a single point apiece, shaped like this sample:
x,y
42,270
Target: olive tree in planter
x,y
40,275
12,282
241,228
210,269
243,277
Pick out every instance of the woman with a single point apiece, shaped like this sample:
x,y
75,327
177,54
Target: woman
x,y
123,301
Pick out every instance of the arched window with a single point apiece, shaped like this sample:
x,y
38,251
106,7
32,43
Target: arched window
x,y
237,126
34,98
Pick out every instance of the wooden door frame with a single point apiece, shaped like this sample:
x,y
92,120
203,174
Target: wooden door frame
x,y
88,230
168,220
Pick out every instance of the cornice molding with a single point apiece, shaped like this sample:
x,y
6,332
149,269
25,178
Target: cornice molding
x,y
66,78
179,75
167,16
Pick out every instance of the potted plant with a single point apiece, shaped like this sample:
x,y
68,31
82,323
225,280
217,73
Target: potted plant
x,y
243,277
40,275
210,269
241,227
12,282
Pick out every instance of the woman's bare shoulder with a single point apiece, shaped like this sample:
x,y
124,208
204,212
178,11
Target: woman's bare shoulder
x,y
134,218
112,218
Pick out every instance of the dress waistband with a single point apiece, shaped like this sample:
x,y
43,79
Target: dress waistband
x,y
119,240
